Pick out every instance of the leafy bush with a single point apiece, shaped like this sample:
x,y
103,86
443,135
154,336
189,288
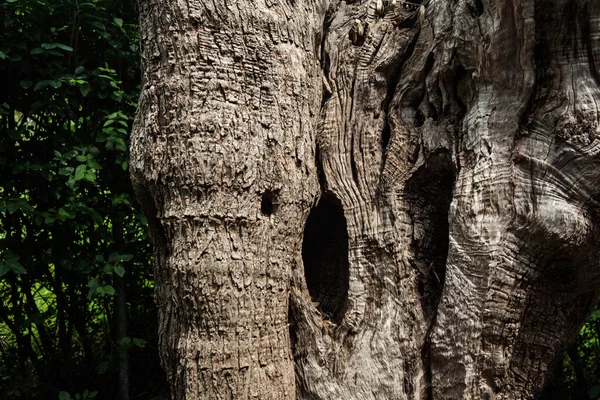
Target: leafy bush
x,y
72,238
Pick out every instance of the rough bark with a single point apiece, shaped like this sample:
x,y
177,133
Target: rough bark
x,y
369,200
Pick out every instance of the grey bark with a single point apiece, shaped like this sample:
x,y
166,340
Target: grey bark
x,y
369,200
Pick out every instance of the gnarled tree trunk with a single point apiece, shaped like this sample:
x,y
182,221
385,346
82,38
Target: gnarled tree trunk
x,y
369,200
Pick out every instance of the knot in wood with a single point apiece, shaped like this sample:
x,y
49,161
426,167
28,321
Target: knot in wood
x,y
408,5
357,32
379,8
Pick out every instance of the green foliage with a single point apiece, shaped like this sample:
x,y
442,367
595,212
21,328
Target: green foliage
x,y
69,224
577,377
85,395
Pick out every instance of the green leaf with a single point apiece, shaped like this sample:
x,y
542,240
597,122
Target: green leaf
x,y
64,214
92,395
64,396
116,257
80,172
139,342
101,369
26,83
50,46
17,268
93,164
3,268
42,84
119,270
79,70
118,21
93,285
98,25
38,104
63,47
3,56
108,290
66,171
96,217
125,257
49,219
85,89
90,176
71,183
117,96
13,205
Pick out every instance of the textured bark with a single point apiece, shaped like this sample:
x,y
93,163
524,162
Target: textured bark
x,y
369,200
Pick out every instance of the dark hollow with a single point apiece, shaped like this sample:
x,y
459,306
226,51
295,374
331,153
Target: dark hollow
x,y
325,257
479,7
268,203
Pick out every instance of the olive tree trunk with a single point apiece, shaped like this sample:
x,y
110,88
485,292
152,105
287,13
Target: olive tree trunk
x,y
371,199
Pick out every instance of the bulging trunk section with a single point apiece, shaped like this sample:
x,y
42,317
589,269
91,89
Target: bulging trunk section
x,y
369,200
222,159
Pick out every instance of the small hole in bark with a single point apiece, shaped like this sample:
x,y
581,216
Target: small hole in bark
x,y
325,257
268,204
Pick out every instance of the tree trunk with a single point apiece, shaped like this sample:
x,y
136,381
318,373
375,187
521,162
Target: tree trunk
x,y
369,200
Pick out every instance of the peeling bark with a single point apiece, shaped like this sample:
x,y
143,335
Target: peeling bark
x,y
371,199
